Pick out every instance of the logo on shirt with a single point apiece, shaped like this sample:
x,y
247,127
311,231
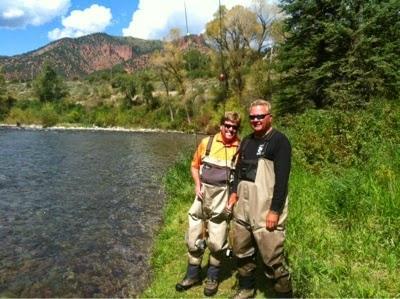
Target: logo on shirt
x,y
260,149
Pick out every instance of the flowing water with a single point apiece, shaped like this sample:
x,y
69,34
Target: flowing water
x,y
79,210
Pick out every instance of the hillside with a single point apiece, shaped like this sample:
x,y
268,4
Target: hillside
x,y
77,57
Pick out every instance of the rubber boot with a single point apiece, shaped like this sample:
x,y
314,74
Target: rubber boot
x,y
211,287
246,287
191,278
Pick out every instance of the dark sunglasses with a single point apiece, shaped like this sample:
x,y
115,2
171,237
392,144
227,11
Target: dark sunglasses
x,y
228,126
258,116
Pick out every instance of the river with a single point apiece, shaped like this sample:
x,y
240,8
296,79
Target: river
x,y
79,210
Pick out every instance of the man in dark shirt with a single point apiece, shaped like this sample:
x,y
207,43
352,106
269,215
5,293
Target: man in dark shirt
x,y
259,201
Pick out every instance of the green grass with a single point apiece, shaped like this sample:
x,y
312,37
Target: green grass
x,y
344,213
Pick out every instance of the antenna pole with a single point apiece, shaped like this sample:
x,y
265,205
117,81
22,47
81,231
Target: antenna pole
x,y
223,76
187,27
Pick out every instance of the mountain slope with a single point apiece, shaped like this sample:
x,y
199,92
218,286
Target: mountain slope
x,y
77,57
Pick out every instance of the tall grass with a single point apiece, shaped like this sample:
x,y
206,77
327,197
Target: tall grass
x,y
344,215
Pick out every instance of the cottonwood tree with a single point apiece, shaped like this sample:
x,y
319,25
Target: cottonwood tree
x,y
241,36
170,66
146,89
128,86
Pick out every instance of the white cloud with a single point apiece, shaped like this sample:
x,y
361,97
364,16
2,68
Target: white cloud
x,y
82,22
154,18
20,13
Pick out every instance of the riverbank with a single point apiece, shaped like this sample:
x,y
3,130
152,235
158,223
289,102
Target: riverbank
x,y
86,128
342,234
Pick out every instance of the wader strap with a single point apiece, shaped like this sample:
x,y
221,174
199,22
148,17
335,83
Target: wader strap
x,y
241,148
209,144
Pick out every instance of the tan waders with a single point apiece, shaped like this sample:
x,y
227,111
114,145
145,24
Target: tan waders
x,y
207,220
248,230
210,209
207,228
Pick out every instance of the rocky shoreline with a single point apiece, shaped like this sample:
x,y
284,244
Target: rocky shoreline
x,y
82,128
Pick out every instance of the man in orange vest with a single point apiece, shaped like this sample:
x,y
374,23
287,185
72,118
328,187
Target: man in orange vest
x,y
211,169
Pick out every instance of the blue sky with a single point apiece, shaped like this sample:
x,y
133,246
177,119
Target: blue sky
x,y
26,25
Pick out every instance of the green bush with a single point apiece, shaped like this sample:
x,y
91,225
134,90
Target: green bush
x,y
342,234
49,116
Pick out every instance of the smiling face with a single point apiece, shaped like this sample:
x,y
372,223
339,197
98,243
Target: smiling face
x,y
260,119
229,131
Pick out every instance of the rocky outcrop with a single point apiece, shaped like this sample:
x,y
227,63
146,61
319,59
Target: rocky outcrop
x,y
74,58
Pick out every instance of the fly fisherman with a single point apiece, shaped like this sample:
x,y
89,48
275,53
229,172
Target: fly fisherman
x,y
259,195
211,168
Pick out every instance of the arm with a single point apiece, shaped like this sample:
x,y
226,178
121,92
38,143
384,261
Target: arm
x,y
282,163
232,200
195,168
197,183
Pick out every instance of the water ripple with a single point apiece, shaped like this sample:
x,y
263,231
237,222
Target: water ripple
x,y
78,210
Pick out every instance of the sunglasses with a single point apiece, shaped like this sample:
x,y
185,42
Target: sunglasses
x,y
258,116
228,126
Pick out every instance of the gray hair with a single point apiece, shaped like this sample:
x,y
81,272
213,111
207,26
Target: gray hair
x,y
261,102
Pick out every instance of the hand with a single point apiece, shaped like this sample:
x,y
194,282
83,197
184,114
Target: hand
x,y
272,220
199,192
231,201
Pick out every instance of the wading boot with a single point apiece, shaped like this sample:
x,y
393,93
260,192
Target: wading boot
x,y
283,284
244,294
283,288
191,279
211,287
246,287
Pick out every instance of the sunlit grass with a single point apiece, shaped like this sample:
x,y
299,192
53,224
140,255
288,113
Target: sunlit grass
x,y
344,215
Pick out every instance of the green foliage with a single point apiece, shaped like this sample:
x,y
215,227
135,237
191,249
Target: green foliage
x,y
48,85
106,75
3,84
6,101
342,232
338,54
345,138
197,64
147,88
19,116
49,115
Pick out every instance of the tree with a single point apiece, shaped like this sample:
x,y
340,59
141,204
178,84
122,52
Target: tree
x,y
48,86
240,35
338,53
6,101
169,64
171,61
3,84
127,85
147,88
196,63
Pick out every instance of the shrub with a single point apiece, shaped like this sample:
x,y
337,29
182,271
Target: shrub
x,y
48,115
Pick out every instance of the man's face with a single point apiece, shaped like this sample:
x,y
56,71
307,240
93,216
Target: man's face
x,y
260,119
229,131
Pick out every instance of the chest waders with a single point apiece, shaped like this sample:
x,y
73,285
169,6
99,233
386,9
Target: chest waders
x,y
248,228
207,222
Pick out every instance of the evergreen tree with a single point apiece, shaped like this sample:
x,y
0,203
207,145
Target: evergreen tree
x,y
48,86
340,53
